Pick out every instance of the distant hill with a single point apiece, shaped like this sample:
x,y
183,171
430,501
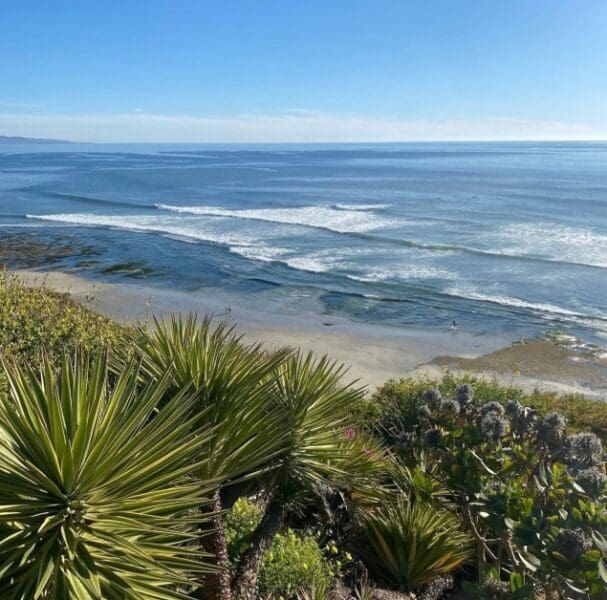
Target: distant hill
x,y
8,139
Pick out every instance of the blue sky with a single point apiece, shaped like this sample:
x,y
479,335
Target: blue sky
x,y
236,70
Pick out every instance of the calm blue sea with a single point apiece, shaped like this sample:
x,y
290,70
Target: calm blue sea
x,y
502,237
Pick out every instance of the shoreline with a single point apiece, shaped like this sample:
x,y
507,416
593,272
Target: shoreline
x,y
373,353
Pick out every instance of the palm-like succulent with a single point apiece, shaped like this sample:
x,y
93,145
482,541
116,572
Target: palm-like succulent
x,y
321,446
321,452
233,385
411,543
94,485
235,399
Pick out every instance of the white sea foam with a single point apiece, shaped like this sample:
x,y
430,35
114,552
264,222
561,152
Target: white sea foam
x,y
260,252
546,310
554,242
175,226
247,245
324,217
407,272
312,264
363,207
513,302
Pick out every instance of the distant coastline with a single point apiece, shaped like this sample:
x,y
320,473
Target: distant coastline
x,y
15,139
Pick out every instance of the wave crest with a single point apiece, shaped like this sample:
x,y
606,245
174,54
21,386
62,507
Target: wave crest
x,y
322,217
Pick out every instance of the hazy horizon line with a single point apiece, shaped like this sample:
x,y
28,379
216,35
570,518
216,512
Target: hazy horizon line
x,y
293,126
315,143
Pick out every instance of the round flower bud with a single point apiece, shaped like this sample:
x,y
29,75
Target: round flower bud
x,y
494,589
584,449
464,394
551,429
424,413
492,407
433,397
449,408
514,409
592,481
493,426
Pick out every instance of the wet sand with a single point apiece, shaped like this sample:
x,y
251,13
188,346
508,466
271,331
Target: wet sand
x,y
373,353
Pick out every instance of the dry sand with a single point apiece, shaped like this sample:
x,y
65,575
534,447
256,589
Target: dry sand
x,y
373,353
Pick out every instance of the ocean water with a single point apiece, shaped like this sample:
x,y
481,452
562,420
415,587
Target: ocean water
x,y
504,238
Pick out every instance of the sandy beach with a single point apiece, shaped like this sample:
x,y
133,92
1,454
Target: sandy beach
x,y
372,353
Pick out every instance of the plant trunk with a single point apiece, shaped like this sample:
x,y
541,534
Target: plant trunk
x,y
245,581
217,586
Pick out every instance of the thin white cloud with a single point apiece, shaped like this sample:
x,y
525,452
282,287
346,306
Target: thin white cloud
x,y
294,126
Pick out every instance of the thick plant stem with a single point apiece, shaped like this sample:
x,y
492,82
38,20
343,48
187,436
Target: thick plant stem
x,y
245,581
217,586
221,549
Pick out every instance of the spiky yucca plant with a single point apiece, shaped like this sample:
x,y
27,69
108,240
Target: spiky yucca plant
x,y
235,397
408,544
94,486
321,452
233,387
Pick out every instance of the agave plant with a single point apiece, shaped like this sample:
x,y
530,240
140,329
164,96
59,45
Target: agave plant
x,y
235,397
94,485
321,453
410,544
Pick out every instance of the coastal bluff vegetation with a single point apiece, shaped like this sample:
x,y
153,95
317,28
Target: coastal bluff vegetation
x,y
170,459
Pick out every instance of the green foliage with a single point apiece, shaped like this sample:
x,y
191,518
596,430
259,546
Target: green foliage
x,y
96,471
521,485
294,561
583,414
396,402
408,544
36,319
240,523
94,487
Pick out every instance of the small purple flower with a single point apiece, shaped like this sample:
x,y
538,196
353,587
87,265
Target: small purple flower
x,y
349,433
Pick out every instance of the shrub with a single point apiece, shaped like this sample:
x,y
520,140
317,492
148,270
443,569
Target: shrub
x,y
36,319
294,561
396,403
526,489
240,523
410,544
